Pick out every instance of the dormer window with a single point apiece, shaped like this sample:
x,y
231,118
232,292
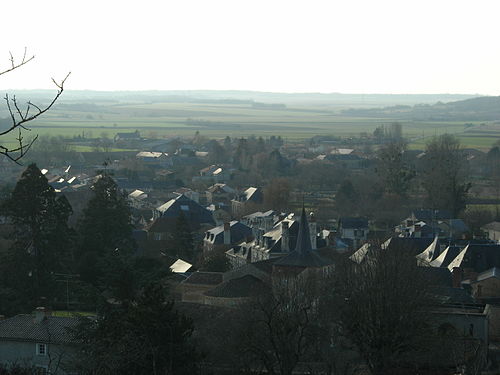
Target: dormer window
x,y
41,349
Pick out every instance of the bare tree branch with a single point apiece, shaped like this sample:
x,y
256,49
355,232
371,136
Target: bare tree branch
x,y
17,64
20,116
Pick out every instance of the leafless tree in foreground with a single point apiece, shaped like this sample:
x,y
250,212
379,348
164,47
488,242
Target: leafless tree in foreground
x,y
21,114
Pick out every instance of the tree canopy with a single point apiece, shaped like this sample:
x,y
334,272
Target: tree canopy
x,y
42,240
444,174
105,228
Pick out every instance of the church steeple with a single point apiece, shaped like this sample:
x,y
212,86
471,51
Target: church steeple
x,y
303,244
303,256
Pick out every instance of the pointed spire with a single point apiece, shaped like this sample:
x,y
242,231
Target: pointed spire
x,y
303,238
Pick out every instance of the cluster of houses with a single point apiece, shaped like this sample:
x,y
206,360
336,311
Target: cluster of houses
x,y
264,245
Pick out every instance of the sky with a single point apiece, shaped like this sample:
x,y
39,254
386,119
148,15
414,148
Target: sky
x,y
347,46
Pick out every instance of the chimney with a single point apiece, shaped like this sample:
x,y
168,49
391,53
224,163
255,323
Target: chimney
x,y
285,237
40,314
312,230
227,233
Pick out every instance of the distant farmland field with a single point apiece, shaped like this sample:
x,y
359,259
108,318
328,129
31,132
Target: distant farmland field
x,y
217,120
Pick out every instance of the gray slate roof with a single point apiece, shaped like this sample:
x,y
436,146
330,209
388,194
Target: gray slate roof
x,y
53,329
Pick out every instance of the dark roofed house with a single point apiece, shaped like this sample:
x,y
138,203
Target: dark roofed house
x,y
193,211
220,193
247,200
133,136
39,340
226,235
430,223
476,258
165,219
353,229
214,173
416,245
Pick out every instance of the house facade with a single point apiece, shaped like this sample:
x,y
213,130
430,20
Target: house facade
x,y
38,340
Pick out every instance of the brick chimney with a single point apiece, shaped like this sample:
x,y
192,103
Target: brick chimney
x,y
40,314
227,233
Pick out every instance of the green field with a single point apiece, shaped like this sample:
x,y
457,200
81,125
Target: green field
x,y
216,120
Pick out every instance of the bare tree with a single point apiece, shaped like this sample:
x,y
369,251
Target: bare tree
x,y
276,331
21,114
384,307
444,174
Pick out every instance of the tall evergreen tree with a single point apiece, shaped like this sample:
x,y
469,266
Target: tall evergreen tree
x,y
105,229
42,239
147,336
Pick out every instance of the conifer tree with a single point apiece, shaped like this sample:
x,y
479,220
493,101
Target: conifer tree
x,y
42,239
105,229
147,336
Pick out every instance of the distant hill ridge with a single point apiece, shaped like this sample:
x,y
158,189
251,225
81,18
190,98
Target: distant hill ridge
x,y
243,97
485,108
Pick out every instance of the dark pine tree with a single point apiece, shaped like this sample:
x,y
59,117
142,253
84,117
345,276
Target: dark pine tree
x,y
41,242
147,336
105,230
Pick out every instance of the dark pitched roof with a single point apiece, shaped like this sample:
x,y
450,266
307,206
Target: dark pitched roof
x,y
252,194
245,286
478,257
206,278
416,245
53,329
303,255
238,230
438,276
193,211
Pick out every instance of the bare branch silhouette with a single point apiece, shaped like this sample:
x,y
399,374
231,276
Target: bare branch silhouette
x,y
20,115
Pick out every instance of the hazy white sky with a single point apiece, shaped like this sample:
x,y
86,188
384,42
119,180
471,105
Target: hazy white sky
x,y
352,46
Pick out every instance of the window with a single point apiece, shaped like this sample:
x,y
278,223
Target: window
x,y
159,236
358,233
41,349
41,370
